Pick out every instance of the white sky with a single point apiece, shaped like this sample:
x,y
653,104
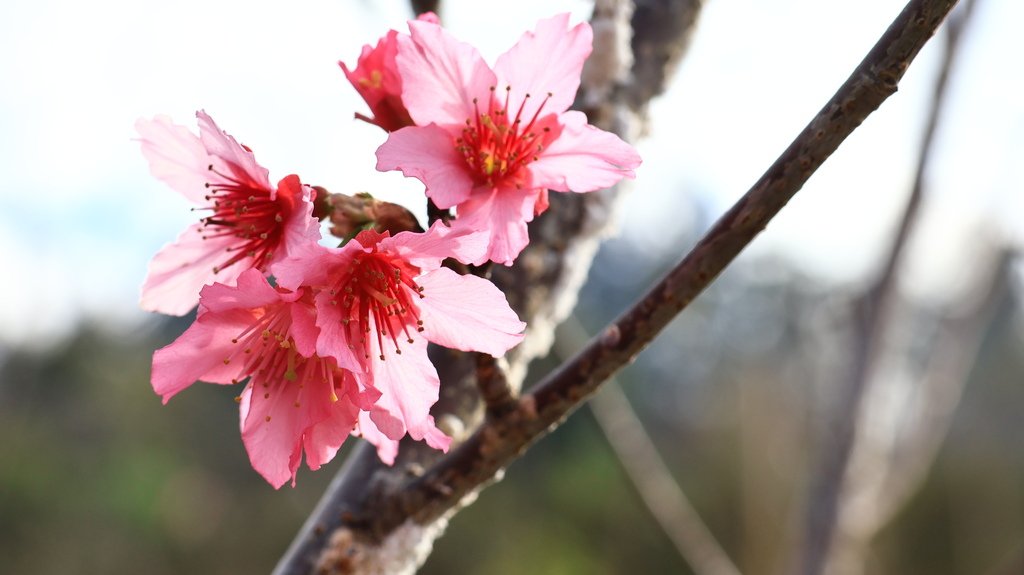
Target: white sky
x,y
80,216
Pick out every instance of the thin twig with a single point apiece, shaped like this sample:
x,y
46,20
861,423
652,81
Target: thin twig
x,y
664,498
423,6
891,457
953,356
662,495
827,483
498,442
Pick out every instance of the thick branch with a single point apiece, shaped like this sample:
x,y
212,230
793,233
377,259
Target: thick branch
x,y
502,440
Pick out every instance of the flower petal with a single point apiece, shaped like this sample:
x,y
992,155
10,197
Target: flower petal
x,y
322,441
301,229
436,438
175,155
387,448
502,213
303,330
228,157
179,270
583,158
199,354
409,386
441,76
272,431
428,154
252,291
333,340
468,313
427,250
547,60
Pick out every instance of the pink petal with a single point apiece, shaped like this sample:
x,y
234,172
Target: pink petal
x,y
502,213
409,387
440,76
303,330
583,158
199,353
278,417
175,156
377,80
322,441
333,340
392,427
387,448
428,154
468,313
272,430
436,438
228,156
179,270
252,291
547,60
310,264
427,250
301,228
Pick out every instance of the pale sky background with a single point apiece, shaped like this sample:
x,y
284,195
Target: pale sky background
x,y
80,216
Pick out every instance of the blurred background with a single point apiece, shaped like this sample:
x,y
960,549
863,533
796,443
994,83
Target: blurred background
x,y
738,396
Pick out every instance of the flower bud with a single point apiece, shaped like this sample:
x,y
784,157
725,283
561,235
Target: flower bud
x,y
353,214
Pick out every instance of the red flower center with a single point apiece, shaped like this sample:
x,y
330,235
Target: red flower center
x,y
244,210
378,294
496,146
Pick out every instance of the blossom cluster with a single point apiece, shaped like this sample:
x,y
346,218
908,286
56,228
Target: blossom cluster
x,y
332,341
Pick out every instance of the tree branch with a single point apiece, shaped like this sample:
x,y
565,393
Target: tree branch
x,y
492,380
502,440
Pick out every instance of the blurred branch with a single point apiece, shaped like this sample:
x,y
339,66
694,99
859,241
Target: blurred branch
x,y
952,358
664,498
662,495
827,484
893,457
670,26
422,6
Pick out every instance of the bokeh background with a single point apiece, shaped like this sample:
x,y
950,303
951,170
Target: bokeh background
x,y
97,477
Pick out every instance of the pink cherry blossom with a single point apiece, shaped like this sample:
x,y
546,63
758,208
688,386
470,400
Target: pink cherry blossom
x,y
381,299
492,142
295,401
247,222
376,79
